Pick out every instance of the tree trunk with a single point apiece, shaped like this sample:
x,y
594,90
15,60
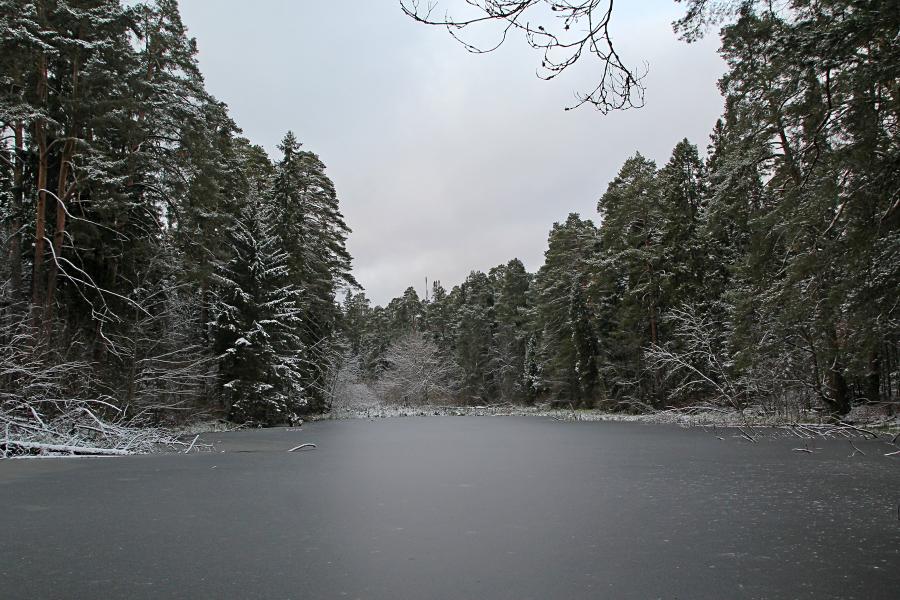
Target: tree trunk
x,y
63,191
62,196
40,134
839,399
18,193
654,334
839,391
873,378
789,158
204,309
40,215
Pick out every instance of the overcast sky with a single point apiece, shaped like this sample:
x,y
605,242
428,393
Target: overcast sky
x,y
445,161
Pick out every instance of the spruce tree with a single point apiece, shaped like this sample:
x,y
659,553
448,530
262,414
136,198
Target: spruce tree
x,y
256,320
310,223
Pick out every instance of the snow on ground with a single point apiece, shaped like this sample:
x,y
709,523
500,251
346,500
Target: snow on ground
x,y
359,401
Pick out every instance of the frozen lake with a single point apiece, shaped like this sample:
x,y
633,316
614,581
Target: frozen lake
x,y
458,507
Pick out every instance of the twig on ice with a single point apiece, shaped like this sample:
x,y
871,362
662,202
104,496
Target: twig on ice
x,y
746,435
859,429
855,450
790,428
301,446
893,453
196,437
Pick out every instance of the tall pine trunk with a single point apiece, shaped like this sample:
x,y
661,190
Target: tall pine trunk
x,y
40,225
839,390
62,196
63,191
15,225
873,378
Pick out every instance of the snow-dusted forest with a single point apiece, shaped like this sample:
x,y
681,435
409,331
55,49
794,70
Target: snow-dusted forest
x,y
160,268
156,265
758,270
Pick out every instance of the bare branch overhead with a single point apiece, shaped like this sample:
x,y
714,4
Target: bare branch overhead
x,y
563,30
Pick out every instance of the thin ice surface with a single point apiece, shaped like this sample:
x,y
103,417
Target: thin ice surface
x,y
459,507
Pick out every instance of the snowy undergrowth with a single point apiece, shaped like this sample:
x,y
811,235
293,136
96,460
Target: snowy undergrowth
x,y
205,426
84,428
360,402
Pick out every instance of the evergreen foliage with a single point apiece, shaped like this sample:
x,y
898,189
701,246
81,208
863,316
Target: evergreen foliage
x,y
128,202
256,323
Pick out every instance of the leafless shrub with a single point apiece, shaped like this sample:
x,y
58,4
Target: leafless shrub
x,y
693,364
165,370
699,365
416,373
52,404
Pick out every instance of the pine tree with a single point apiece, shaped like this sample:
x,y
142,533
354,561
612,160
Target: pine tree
x,y
356,312
474,337
406,312
826,236
561,318
511,284
681,184
438,319
585,341
631,271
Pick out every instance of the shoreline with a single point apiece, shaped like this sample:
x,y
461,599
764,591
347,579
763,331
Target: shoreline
x,y
701,416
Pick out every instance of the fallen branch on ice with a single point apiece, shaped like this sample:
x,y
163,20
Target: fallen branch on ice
x,y
302,446
191,447
859,429
71,427
61,448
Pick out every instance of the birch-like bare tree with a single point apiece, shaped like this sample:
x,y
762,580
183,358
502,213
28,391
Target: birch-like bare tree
x,y
416,373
